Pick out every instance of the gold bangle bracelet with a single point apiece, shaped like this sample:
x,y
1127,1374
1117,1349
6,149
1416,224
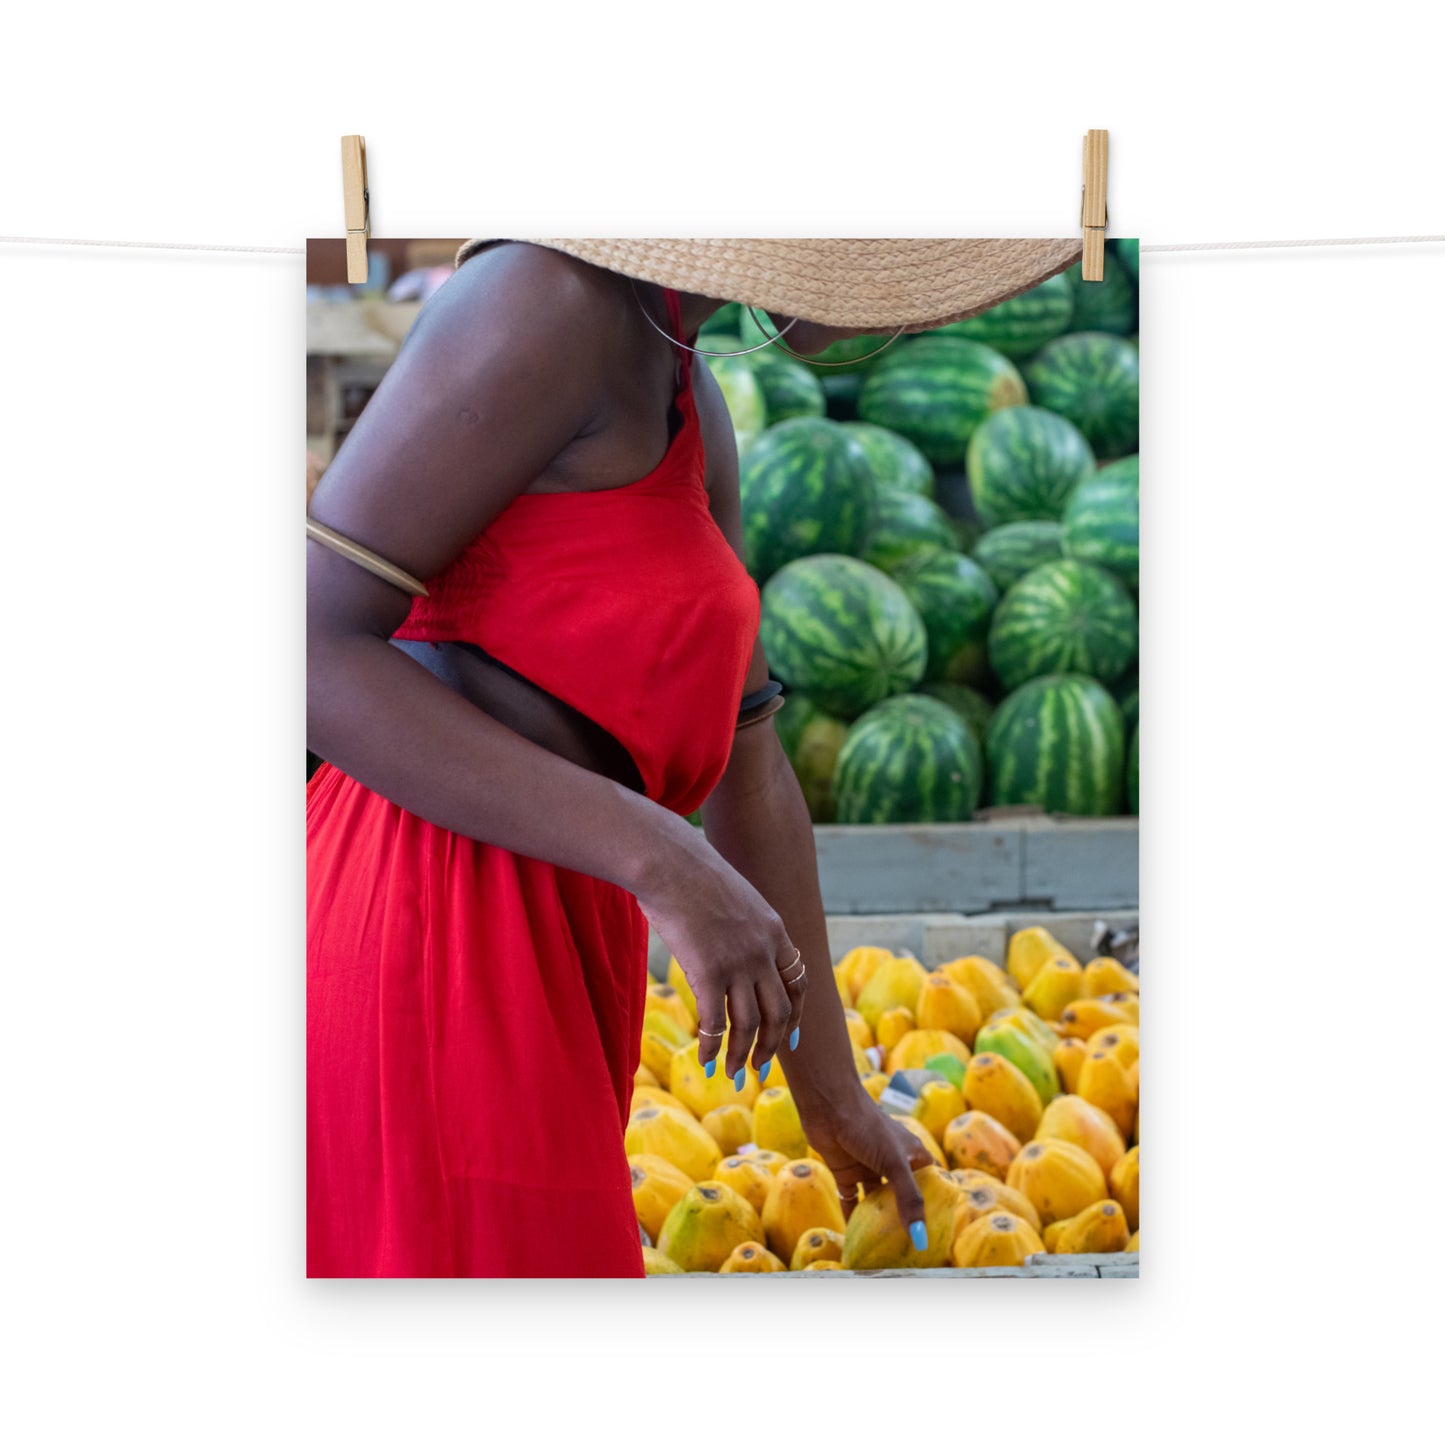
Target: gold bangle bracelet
x,y
355,552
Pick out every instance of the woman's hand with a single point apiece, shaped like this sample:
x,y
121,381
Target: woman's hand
x,y
860,1144
731,946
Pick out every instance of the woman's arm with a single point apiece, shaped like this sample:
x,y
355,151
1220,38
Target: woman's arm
x,y
503,369
757,819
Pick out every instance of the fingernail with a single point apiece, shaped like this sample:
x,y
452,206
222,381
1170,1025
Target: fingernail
x,y
919,1235
739,1078
709,1068
763,1072
793,1037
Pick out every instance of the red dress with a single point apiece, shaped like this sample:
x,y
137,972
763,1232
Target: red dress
x,y
474,1016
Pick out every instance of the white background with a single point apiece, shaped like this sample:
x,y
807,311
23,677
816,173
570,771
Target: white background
x,y
153,416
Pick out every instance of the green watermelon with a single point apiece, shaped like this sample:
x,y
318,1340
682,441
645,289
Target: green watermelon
x,y
897,464
1128,700
1058,743
725,321
1019,326
1023,463
852,354
1127,250
970,704
806,487
789,388
812,740
1007,552
1063,617
955,598
904,524
1109,305
842,632
1101,520
1131,772
740,389
1091,378
937,390
908,760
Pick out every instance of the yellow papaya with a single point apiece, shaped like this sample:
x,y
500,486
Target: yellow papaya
x,y
858,965
1133,1245
988,1198
657,1051
1121,1039
689,1082
917,1046
967,1179
823,1264
938,1104
1050,1236
776,1125
677,980
1107,975
1069,1060
977,1141
1028,1022
750,1258
944,1004
994,1086
646,1097
893,1024
858,1029
997,1240
706,1225
1099,1229
985,980
1129,1002
645,1078
925,1138
876,1239
1012,1037
895,983
874,1083
676,1137
744,1175
1124,1185
1106,1083
1080,1122
730,1125
1056,985
1058,1178
1087,1016
663,998
657,1184
770,1159
840,981
1134,1085
803,1196
654,1261
1029,950
816,1245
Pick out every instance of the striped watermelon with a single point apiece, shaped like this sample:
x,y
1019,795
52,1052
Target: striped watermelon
x,y
955,598
897,464
806,487
1127,250
1022,465
789,388
937,390
903,525
1128,698
842,632
1101,520
1007,552
1093,379
908,760
1019,326
970,704
812,740
1109,305
1131,772
740,389
1063,617
1058,743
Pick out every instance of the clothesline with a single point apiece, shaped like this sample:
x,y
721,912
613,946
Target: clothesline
x,y
301,250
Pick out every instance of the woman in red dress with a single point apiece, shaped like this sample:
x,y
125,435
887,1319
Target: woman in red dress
x,y
511,758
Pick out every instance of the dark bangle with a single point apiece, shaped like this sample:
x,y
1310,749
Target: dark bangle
x,y
760,704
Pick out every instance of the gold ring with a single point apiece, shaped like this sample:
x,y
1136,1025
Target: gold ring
x,y
801,973
709,1033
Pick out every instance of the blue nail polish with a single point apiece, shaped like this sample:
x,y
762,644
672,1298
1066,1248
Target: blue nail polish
x,y
709,1068
919,1235
793,1037
763,1072
739,1078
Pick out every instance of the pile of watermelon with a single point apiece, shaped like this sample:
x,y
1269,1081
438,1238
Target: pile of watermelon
x,y
946,535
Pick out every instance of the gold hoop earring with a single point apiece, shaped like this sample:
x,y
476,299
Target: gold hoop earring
x,y
852,361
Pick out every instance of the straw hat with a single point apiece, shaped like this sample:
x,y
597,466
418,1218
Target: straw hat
x,y
878,285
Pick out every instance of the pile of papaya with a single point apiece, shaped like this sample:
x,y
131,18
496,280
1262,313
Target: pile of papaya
x,y
1020,1079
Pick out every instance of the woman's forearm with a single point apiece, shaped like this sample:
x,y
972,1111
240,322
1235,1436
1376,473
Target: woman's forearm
x,y
757,819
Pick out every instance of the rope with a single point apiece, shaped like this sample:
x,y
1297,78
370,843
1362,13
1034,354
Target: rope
x,y
1255,245
151,245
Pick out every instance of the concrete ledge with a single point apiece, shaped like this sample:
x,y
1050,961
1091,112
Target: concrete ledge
x,y
1037,1266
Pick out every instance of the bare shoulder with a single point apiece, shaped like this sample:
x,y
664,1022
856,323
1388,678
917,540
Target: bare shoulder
x,y
718,438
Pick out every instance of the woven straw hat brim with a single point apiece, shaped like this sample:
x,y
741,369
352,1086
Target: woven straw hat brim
x,y
878,285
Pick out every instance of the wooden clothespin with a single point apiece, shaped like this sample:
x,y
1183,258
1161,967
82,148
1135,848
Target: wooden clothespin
x,y
358,205
1095,216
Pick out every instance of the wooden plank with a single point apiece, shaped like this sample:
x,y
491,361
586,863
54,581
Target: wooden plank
x,y
1077,865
